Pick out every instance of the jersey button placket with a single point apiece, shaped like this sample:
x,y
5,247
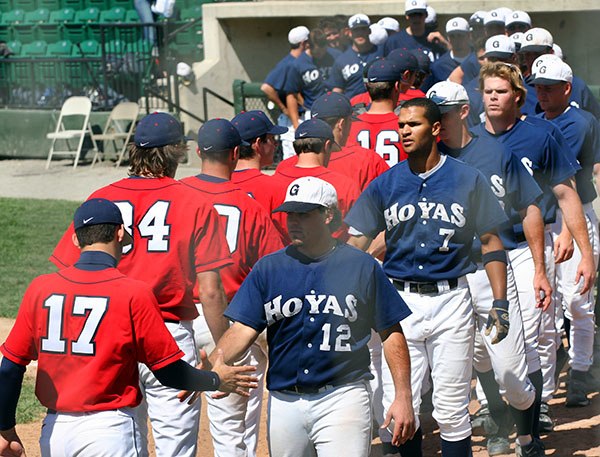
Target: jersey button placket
x,y
422,254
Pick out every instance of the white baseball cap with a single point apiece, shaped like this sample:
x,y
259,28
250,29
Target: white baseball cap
x,y
431,15
537,39
447,94
298,34
549,69
415,6
518,17
359,20
457,24
494,17
306,194
499,46
557,51
378,34
389,23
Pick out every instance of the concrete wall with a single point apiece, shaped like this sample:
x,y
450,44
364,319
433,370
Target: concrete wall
x,y
245,40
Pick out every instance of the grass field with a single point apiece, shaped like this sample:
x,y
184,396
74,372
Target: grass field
x,y
30,230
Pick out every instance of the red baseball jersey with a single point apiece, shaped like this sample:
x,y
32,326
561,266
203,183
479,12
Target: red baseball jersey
x,y
247,226
176,235
359,164
347,190
268,190
365,98
380,133
88,330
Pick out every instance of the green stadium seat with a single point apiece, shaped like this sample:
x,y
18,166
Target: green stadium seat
x,y
13,17
15,46
75,4
39,16
139,47
100,4
62,16
5,5
5,33
115,47
189,14
88,48
122,3
132,16
88,15
35,49
62,48
26,5
116,14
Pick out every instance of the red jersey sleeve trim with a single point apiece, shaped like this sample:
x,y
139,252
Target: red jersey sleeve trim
x,y
56,261
13,357
216,265
166,361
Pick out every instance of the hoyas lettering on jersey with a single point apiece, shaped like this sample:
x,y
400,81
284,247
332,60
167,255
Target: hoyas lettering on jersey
x,y
394,215
277,309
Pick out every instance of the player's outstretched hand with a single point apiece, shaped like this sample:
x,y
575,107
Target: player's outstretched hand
x,y
10,444
587,271
498,319
234,378
401,418
543,290
563,247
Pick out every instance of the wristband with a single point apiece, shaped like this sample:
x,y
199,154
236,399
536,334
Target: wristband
x,y
500,303
494,256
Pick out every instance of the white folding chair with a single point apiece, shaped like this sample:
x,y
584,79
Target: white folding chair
x,y
73,106
119,127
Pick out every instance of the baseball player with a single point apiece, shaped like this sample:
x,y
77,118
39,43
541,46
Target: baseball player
x,y
458,32
517,22
536,148
415,35
177,242
313,144
319,300
88,326
553,83
430,207
275,82
260,142
516,191
308,76
347,71
250,233
377,129
360,164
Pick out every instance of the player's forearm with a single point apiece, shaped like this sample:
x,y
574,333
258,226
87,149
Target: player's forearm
x,y
214,302
495,270
457,75
398,359
572,210
597,177
378,246
272,95
361,242
11,380
533,227
182,376
236,340
292,106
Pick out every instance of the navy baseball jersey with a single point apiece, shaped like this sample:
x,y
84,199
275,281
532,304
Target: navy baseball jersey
x,y
347,70
542,156
318,314
510,182
531,101
470,67
582,97
277,77
581,132
304,77
476,108
430,219
442,67
402,40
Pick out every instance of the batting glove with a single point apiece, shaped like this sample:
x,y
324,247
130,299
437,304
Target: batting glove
x,y
498,318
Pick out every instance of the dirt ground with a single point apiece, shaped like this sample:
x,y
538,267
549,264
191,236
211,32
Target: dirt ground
x,y
577,430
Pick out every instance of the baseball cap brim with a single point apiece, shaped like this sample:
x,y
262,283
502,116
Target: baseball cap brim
x,y
127,239
498,54
416,11
535,48
546,81
297,207
277,130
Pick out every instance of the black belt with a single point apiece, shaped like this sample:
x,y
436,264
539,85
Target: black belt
x,y
424,288
51,411
171,321
314,390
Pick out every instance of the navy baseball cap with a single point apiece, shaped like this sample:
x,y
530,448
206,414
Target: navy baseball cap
x,y
331,104
255,123
404,59
218,135
158,129
423,61
383,70
314,128
98,211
